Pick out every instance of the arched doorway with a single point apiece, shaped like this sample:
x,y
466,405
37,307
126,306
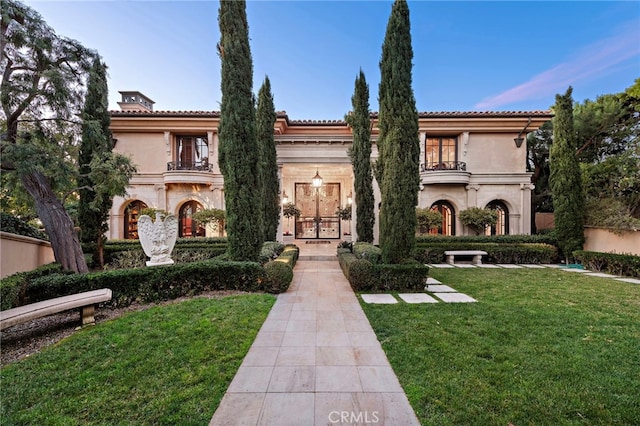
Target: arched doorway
x,y
502,225
131,215
188,226
319,208
448,226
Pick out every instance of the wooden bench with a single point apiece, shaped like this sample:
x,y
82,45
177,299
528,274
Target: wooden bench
x,y
477,255
85,301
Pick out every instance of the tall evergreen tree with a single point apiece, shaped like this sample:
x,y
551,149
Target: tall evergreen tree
x,y
238,152
267,163
93,211
360,154
565,179
397,168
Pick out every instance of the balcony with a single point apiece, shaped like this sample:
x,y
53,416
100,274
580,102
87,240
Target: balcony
x,y
189,172
200,166
444,172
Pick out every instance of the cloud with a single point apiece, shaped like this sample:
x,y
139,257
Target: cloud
x,y
593,60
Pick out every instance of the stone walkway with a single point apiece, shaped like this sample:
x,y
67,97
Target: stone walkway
x,y
315,361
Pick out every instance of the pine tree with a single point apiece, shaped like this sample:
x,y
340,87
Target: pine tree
x,y
565,179
360,154
93,211
238,152
398,142
267,163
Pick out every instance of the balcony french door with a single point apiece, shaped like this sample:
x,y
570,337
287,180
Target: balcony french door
x,y
318,205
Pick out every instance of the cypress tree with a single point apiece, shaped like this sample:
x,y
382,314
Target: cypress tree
x,y
238,151
267,163
397,169
93,210
360,154
565,179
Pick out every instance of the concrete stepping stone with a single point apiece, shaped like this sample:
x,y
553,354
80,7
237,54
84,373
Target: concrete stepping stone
x,y
487,265
441,265
629,280
464,265
574,270
435,288
601,275
550,265
383,299
509,266
433,281
533,266
454,298
417,298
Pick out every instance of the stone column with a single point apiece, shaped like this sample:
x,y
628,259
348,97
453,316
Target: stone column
x,y
525,207
213,151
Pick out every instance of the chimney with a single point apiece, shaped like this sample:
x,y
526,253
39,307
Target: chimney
x,y
135,101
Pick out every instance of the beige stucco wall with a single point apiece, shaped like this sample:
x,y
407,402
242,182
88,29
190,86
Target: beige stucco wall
x,y
148,150
21,253
605,241
492,152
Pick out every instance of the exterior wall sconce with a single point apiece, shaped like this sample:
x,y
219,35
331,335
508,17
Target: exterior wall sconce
x,y
285,199
317,180
519,139
349,198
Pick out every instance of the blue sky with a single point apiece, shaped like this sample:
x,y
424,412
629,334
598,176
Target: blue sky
x,y
474,55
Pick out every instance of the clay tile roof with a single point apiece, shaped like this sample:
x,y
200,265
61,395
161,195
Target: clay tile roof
x,y
141,113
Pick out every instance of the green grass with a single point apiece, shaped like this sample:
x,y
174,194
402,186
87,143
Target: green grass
x,y
541,347
166,365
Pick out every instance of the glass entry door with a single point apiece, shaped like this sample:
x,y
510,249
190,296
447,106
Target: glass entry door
x,y
318,207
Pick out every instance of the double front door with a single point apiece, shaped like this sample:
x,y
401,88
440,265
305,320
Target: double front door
x,y
318,207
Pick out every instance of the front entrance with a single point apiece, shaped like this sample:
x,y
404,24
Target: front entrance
x,y
318,207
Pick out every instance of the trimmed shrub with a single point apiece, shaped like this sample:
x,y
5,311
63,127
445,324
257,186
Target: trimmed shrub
x,y
361,275
612,263
152,284
545,238
367,251
407,276
496,253
290,253
270,251
279,275
14,287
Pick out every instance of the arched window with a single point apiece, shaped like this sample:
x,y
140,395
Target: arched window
x,y
502,225
448,226
188,226
131,215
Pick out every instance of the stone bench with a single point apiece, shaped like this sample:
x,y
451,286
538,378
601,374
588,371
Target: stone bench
x,y
477,255
85,301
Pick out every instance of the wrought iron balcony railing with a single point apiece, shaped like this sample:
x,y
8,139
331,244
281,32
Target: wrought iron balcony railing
x,y
443,166
201,166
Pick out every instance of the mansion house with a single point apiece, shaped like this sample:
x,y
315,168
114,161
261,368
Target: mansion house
x,y
467,159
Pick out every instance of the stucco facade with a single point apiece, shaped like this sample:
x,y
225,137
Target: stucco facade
x,y
467,159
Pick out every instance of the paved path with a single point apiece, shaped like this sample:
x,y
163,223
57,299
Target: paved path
x,y
315,361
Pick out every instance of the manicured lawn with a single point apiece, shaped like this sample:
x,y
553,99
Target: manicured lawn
x,y
541,347
166,365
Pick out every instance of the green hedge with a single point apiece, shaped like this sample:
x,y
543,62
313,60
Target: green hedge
x,y
367,251
547,238
496,252
150,284
280,271
366,276
13,288
626,265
